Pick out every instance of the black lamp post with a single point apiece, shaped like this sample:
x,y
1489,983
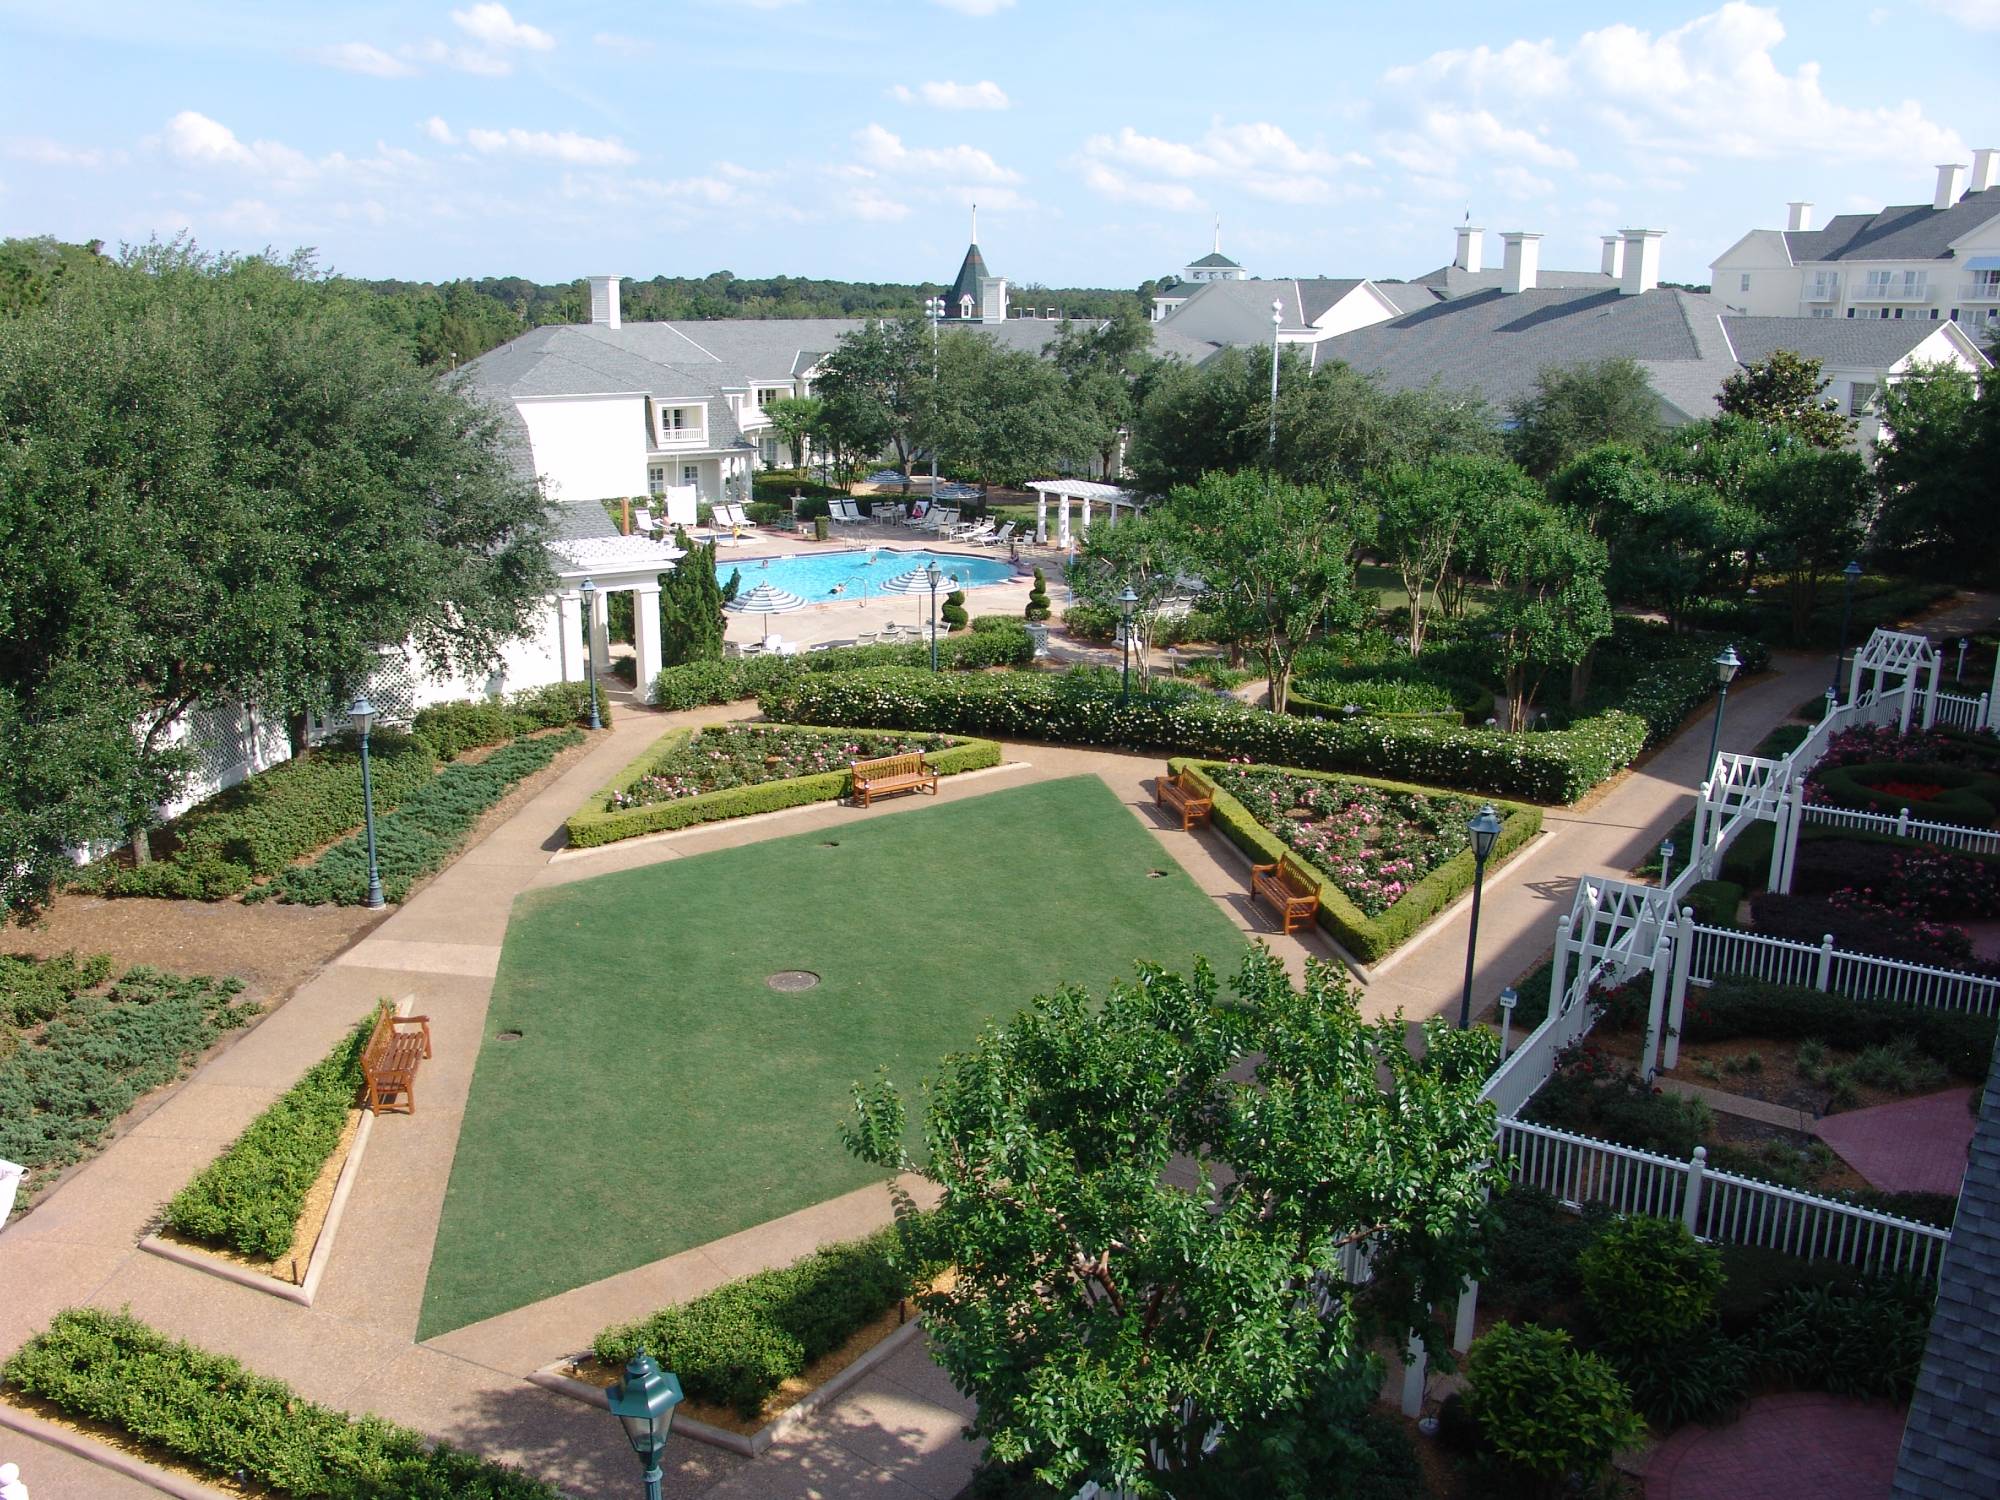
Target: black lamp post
x,y
361,714
932,577
1726,666
590,648
1127,601
644,1401
1485,828
1851,572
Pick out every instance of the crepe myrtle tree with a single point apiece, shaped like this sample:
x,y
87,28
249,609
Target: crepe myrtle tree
x,y
1149,1203
1143,554
1549,604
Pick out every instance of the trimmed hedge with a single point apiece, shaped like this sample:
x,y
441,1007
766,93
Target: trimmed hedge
x,y
1735,1007
1968,797
248,1199
450,729
993,641
737,1344
598,822
1557,766
208,1409
1367,938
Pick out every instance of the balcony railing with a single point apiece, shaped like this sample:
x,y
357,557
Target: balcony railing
x,y
1889,291
1823,291
683,437
1979,291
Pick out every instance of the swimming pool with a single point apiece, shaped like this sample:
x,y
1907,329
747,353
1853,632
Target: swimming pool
x,y
860,572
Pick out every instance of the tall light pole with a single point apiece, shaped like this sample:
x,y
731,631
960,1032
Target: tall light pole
x,y
589,592
931,576
361,714
1127,601
1851,572
935,307
1725,673
1484,828
644,1403
1277,322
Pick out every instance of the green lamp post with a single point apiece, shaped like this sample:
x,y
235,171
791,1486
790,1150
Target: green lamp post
x,y
361,714
1726,666
644,1402
1484,828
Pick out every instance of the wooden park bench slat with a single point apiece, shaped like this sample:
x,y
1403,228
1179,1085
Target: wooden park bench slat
x,y
1289,888
1183,794
892,773
389,1061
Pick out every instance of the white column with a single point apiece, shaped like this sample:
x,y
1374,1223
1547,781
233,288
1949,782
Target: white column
x,y
1414,1362
1993,703
1656,1010
1670,1053
1468,1313
1086,516
1931,692
646,637
600,634
1042,517
1062,534
1854,678
569,628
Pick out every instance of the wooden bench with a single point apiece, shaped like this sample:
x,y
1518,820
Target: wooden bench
x,y
1183,794
892,773
389,1061
1289,888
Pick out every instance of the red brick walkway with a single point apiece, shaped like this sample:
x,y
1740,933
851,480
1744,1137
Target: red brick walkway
x,y
1783,1448
1911,1146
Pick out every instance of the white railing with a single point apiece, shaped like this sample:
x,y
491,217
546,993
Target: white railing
x,y
1533,1062
1898,290
1956,711
1979,290
1903,826
1825,290
1725,950
1577,1169
1859,976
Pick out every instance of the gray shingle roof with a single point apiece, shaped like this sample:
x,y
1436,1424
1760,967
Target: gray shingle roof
x,y
970,270
1304,299
1951,1440
579,521
1873,343
1408,296
1456,283
1907,231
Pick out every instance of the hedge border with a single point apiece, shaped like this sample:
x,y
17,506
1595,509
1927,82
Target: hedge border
x,y
597,823
1367,938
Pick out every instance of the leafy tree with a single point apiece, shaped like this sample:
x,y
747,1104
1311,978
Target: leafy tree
x,y
1574,408
1786,391
1428,523
1934,465
1549,606
1208,419
1038,598
1813,507
795,418
876,383
1002,415
1104,367
691,599
1143,1235
1147,554
31,270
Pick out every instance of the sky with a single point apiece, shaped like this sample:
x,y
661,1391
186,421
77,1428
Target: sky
x,y
850,138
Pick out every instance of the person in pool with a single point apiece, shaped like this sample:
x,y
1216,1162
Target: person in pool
x,y
838,588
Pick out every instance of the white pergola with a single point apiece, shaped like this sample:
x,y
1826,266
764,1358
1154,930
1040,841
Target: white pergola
x,y
1086,490
1899,654
613,564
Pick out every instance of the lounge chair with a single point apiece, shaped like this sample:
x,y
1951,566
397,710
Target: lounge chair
x,y
1001,537
918,514
978,533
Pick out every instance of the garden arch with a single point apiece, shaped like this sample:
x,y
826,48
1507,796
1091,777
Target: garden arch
x,y
1086,490
614,564
1894,653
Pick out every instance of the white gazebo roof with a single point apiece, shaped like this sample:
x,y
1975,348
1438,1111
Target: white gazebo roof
x,y
1082,489
602,557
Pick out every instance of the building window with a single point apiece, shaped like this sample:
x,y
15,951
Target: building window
x,y
656,479
1822,312
1743,282
769,393
690,473
1859,397
767,450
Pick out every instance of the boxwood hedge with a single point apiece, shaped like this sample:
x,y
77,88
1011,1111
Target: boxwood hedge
x,y
993,641
450,729
1367,938
598,822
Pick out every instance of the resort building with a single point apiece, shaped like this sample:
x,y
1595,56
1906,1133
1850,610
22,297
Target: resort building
x,y
1214,266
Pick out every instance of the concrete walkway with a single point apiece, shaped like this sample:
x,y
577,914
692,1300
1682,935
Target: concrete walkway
x,y
895,1431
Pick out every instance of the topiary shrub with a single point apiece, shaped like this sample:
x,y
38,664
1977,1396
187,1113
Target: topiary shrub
x,y
953,611
1038,599
819,528
1548,1415
1930,792
1649,1281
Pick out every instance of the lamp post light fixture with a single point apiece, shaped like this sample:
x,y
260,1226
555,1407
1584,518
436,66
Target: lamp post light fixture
x,y
1509,998
1127,602
589,592
932,576
644,1402
1666,859
361,714
1726,666
1851,572
1484,828
935,307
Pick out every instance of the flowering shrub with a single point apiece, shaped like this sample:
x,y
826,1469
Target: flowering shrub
x,y
1879,743
1931,789
1908,878
1866,920
726,757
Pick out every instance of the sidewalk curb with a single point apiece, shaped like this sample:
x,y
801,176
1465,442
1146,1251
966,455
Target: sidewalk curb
x,y
103,1455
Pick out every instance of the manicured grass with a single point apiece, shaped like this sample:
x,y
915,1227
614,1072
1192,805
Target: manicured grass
x,y
662,1095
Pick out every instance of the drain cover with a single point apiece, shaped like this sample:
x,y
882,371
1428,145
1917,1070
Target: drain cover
x,y
508,1036
790,981
1156,874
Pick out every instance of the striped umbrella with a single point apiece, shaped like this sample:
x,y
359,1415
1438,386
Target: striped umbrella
x,y
766,599
917,581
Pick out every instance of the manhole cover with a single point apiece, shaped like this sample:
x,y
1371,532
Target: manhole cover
x,y
790,981
508,1036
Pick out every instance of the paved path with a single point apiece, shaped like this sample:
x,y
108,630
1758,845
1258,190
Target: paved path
x,y
1910,1146
1783,1448
897,1430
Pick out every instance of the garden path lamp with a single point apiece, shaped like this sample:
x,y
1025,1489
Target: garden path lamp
x,y
1726,667
361,714
1851,572
589,592
1484,828
932,577
1666,859
1127,602
644,1402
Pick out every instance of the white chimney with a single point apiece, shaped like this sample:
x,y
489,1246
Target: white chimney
x,y
1471,242
1798,217
1613,264
1985,170
604,300
1951,183
1523,259
1642,261
993,299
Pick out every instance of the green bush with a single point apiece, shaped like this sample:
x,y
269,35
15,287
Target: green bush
x,y
1783,740
1969,796
423,833
1754,1277
1534,1252
1702,1377
738,1343
1715,902
1367,938
1659,676
33,990
1549,767
952,611
248,1199
210,1411
1038,599
819,528
1002,643
1547,1411
450,729
1592,1097
1737,1007
599,822
1649,1281
1857,1339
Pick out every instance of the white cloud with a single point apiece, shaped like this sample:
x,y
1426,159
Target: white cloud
x,y
885,150
974,7
364,57
440,132
496,27
464,59
1443,131
1980,15
874,207
985,94
618,41
1109,183
45,151
1519,182
1254,157
195,138
555,145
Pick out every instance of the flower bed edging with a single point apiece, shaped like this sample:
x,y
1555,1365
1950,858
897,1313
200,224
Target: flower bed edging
x,y
1368,938
597,822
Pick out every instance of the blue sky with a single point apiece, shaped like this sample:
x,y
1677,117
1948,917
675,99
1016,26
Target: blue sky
x,y
848,137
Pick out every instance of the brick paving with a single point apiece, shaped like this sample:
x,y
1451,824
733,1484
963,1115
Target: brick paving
x,y
1910,1146
1791,1447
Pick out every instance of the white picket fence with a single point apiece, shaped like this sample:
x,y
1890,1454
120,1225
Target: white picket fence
x,y
1956,711
1718,951
1903,826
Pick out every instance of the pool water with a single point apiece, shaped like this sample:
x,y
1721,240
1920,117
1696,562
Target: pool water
x,y
859,573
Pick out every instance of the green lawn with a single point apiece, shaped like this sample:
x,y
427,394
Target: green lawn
x,y
661,1095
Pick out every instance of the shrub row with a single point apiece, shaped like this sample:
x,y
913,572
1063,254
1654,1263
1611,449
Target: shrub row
x,y
450,729
598,822
33,990
1967,796
1737,1007
248,1199
1367,938
1647,670
735,1345
1099,622
1551,767
421,834
209,1410
993,641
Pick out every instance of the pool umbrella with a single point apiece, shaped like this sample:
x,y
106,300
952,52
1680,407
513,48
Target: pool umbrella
x,y
916,581
766,599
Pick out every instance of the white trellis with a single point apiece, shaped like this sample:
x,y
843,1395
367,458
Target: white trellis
x,y
1895,653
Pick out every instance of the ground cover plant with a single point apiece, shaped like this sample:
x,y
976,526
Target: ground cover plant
x,y
78,1049
422,833
742,1087
213,1413
450,729
991,641
248,1199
